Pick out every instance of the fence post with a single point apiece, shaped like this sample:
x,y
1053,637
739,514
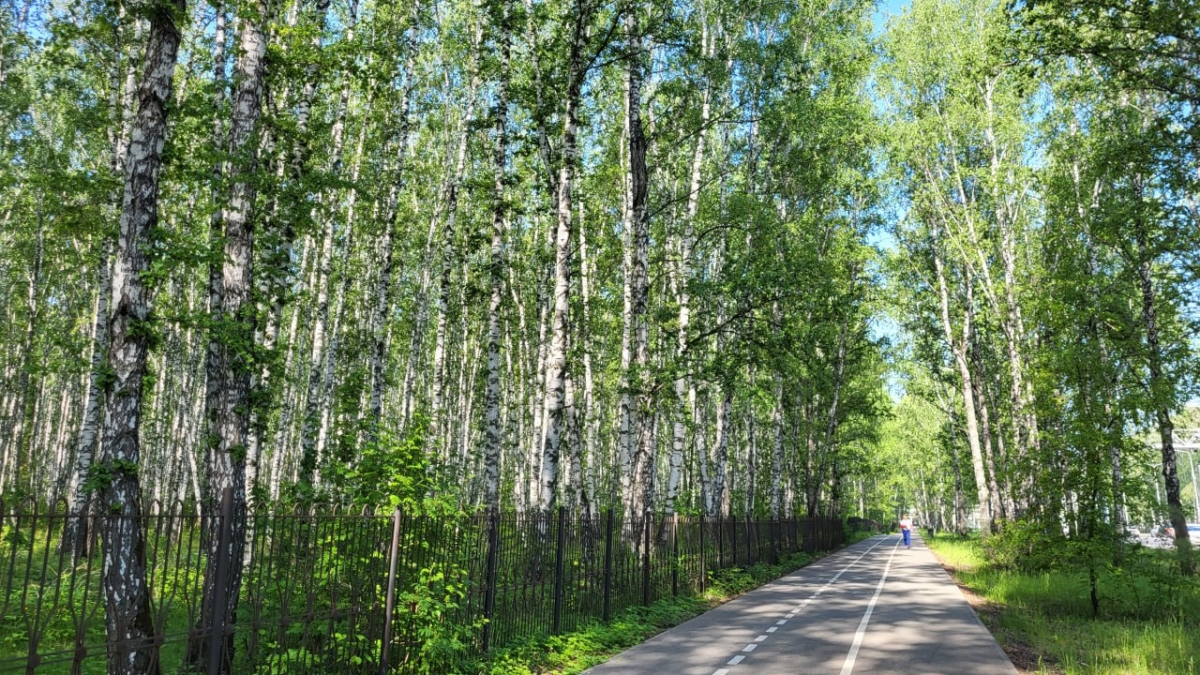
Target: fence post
x,y
774,532
720,542
674,554
703,570
646,559
558,569
489,589
608,570
216,636
733,539
751,548
390,602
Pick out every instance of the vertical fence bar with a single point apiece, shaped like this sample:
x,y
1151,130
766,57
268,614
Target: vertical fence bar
x,y
773,524
390,603
733,539
216,636
608,570
720,542
489,588
646,559
751,547
703,558
558,569
675,554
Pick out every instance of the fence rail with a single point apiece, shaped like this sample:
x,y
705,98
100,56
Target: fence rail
x,y
364,593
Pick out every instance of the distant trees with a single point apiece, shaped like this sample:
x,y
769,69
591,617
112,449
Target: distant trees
x,y
1047,255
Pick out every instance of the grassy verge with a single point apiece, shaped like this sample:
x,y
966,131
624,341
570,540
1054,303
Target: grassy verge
x,y
597,642
1149,621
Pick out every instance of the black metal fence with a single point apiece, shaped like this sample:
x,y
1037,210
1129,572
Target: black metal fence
x,y
364,593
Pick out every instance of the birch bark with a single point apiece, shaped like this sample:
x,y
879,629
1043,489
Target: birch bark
x,y
439,434
556,357
492,447
383,284
635,356
126,592
1160,392
958,348
229,418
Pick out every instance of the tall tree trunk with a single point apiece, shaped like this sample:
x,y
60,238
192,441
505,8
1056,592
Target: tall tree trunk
x,y
1024,418
75,530
492,447
721,451
700,436
314,402
991,439
777,477
591,458
316,406
14,477
229,416
439,432
684,387
635,355
1161,395
383,283
279,226
958,348
127,612
556,357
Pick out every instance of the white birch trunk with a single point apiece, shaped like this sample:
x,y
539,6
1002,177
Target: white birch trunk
x,y
383,284
126,592
230,416
439,437
556,359
492,443
959,350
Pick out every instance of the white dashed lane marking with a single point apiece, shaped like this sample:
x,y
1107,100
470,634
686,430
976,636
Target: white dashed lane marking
x,y
790,615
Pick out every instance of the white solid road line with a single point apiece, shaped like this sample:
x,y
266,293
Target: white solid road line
x,y
848,666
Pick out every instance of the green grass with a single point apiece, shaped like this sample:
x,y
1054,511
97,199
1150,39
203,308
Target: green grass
x,y
1149,619
597,642
855,536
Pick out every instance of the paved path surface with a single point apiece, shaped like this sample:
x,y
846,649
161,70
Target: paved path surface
x,y
874,608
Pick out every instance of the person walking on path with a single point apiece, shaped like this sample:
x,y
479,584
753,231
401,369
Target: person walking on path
x,y
906,530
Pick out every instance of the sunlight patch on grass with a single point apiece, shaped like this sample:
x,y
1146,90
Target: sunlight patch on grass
x,y
1142,629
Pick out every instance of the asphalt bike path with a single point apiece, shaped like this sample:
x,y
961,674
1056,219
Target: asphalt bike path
x,y
873,608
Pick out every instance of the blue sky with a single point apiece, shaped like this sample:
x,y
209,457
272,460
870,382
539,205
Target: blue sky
x,y
886,9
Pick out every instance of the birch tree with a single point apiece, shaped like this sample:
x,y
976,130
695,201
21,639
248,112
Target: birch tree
x,y
127,594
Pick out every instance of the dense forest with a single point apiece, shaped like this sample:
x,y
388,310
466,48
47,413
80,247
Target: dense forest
x,y
584,254
769,258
